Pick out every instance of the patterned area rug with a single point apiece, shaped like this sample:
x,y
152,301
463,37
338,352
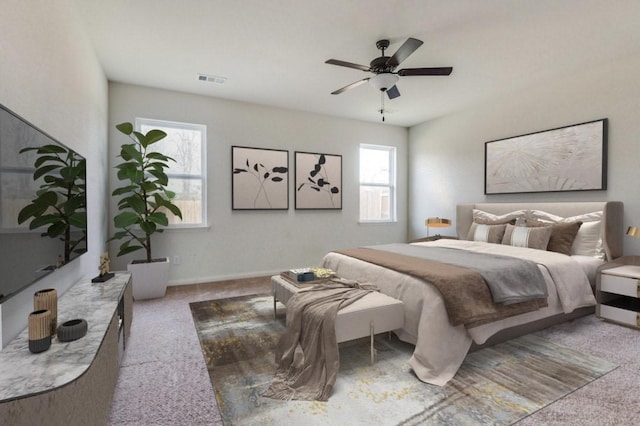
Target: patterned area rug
x,y
495,386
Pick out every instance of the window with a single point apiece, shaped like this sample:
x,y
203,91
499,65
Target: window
x,y
377,183
186,143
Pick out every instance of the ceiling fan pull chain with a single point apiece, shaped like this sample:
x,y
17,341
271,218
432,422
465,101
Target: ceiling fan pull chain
x,y
382,105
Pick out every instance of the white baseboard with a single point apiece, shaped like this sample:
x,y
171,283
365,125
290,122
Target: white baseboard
x,y
202,280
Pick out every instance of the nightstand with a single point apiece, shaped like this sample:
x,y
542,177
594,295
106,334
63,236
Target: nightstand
x,y
618,291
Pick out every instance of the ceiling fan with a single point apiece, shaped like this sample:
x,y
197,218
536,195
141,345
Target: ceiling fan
x,y
383,67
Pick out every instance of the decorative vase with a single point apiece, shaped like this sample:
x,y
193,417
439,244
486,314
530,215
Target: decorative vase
x,y
72,330
39,330
48,299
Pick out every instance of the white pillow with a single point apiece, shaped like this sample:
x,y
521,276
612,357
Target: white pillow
x,y
549,217
486,216
588,241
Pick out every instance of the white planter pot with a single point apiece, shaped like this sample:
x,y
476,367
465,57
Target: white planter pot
x,y
149,280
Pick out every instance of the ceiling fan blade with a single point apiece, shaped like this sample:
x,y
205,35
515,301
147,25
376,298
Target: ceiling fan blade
x,y
347,64
425,71
404,51
350,86
393,92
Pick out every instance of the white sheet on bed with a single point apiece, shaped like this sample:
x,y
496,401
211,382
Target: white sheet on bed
x,y
440,347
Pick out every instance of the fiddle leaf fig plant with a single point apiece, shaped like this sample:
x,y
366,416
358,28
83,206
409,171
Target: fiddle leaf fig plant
x,y
61,202
145,198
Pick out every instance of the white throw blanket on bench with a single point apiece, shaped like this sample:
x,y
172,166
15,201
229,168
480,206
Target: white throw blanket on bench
x,y
307,353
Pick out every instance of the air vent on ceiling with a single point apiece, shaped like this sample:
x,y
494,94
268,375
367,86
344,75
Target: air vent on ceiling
x,y
212,78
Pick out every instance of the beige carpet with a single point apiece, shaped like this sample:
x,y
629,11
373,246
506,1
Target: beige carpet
x,y
164,381
495,386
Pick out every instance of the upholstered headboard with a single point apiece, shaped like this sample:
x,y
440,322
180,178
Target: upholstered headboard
x,y
612,217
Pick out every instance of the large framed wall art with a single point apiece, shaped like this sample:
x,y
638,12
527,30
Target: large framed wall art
x,y
260,179
318,181
571,158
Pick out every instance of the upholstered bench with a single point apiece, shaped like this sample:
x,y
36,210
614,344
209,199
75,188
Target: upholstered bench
x,y
372,314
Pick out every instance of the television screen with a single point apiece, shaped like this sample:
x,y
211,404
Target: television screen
x,y
43,215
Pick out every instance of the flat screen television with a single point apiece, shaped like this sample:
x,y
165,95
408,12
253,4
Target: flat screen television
x,y
43,216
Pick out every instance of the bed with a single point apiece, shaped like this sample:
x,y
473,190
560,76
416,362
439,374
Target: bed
x,y
440,347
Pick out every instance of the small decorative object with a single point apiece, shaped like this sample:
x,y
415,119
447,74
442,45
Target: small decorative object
x,y
105,275
39,330
72,330
47,299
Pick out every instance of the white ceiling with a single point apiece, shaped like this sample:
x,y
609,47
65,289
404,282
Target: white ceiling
x,y
272,52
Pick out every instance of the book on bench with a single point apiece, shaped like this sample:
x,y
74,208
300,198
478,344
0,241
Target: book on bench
x,y
307,276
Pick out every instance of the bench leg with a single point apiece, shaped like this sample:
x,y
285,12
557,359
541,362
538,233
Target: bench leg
x,y
371,333
274,307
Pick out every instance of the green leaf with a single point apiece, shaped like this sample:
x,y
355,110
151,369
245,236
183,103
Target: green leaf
x,y
48,198
56,229
157,156
32,148
46,219
119,235
160,218
125,219
124,190
126,128
173,209
32,209
79,220
44,170
129,249
153,136
149,187
130,152
52,149
43,159
163,179
148,227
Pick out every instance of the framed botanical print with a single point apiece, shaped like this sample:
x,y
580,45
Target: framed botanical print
x,y
318,181
260,179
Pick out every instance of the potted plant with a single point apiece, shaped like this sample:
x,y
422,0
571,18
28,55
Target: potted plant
x,y
143,205
60,203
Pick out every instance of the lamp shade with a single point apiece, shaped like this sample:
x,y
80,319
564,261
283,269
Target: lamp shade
x,y
383,81
633,231
437,222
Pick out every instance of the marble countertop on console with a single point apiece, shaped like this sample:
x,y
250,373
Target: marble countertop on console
x,y
23,373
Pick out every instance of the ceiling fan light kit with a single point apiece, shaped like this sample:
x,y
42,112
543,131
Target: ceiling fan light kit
x,y
384,68
383,82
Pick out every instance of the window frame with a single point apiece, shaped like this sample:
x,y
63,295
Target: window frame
x,y
391,185
202,177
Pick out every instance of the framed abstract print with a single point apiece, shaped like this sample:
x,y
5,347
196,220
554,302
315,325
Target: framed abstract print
x,y
571,158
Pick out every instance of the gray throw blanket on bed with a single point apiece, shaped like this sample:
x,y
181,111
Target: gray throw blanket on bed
x,y
307,353
510,280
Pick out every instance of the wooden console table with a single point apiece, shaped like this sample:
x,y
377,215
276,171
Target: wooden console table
x,y
72,383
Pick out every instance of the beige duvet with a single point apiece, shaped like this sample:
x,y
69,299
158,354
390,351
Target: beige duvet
x,y
440,347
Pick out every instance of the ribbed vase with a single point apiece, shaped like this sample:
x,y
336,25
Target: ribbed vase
x,y
39,330
48,299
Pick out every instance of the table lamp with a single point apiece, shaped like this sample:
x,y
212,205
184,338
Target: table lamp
x,y
436,222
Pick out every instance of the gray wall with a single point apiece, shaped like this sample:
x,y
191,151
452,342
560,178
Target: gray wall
x,y
251,243
447,155
50,76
